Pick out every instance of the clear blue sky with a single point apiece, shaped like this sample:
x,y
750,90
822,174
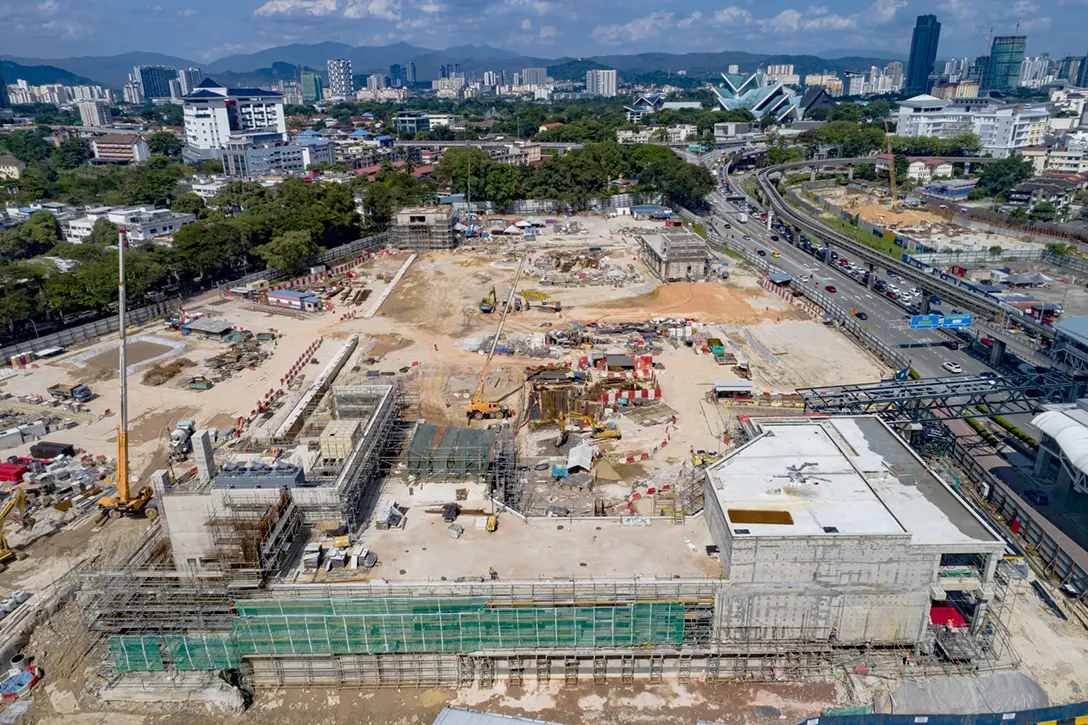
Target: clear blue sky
x,y
207,29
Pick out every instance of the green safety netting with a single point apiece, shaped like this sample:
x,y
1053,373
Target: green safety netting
x,y
445,626
207,652
136,654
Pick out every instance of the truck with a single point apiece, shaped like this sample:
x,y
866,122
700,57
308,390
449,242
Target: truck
x,y
82,393
742,218
181,439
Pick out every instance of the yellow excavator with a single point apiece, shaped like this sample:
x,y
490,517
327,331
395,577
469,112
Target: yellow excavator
x,y
487,304
545,303
601,431
124,502
17,501
479,408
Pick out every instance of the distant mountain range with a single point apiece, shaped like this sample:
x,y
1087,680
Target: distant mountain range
x,y
37,75
268,66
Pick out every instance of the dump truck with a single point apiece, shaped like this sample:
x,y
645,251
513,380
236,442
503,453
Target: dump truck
x,y
82,393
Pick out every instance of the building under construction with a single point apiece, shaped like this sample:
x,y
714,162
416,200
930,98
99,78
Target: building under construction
x,y
674,256
821,539
425,229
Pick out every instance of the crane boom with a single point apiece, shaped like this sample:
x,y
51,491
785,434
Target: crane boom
x,y
18,500
122,424
498,333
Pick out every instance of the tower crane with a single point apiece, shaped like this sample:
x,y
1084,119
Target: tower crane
x,y
124,502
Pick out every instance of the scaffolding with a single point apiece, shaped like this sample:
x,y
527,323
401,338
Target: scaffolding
x,y
253,538
425,229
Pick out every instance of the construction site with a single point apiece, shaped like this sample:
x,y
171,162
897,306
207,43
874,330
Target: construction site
x,y
512,463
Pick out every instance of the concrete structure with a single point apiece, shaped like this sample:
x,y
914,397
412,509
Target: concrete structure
x,y
189,79
216,116
601,83
423,229
951,189
143,223
674,256
675,134
120,149
1062,457
312,90
375,82
1056,159
920,169
411,122
242,159
923,52
837,525
94,113
341,84
1006,55
534,76
1056,191
1002,129
10,167
516,154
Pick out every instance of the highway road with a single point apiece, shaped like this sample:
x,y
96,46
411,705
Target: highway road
x,y
888,321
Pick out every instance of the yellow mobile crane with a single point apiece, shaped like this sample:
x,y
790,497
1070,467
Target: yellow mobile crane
x,y
124,502
18,501
478,408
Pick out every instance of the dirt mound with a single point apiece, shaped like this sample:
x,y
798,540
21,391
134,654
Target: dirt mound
x,y
708,302
163,372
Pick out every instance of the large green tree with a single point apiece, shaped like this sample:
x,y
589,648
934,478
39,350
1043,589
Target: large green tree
x,y
1000,177
71,154
289,252
164,143
454,169
103,233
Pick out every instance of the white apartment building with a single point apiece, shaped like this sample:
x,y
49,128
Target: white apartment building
x,y
601,83
1069,160
215,116
143,223
120,149
341,85
783,73
1002,129
94,113
375,82
679,133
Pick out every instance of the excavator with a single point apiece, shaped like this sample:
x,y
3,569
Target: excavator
x,y
479,408
601,431
487,304
545,303
125,502
17,501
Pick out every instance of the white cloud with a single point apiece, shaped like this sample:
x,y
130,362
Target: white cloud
x,y
188,12
305,7
540,7
1036,23
732,15
355,9
48,7
430,8
637,29
547,31
526,24
883,11
787,21
687,22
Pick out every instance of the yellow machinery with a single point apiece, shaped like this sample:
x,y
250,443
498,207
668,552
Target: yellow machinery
x,y
487,304
545,303
478,408
896,206
601,431
124,502
18,501
743,370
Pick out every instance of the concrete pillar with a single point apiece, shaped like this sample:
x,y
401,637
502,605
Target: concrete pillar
x,y
812,174
923,306
997,352
872,267
160,484
850,173
1042,460
205,460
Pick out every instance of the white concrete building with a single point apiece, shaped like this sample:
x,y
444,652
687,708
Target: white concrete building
x,y
675,134
142,222
1002,129
120,149
1068,160
215,116
837,525
94,113
601,83
341,84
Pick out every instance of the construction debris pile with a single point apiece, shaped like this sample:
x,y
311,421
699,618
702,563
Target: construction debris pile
x,y
28,418
164,372
591,267
243,355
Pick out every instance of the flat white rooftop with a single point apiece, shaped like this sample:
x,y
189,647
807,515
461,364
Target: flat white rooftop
x,y
840,476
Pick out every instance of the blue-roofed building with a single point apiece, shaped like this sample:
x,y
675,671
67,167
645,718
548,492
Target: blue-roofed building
x,y
217,118
1071,343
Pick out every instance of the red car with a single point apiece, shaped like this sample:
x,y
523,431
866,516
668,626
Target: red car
x,y
831,288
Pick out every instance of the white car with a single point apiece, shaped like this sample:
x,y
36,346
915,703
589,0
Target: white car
x,y
804,278
952,367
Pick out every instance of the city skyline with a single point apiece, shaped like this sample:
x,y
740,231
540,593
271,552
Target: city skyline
x,y
204,31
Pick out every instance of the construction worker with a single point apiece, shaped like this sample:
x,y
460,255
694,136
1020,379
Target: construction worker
x,y
492,573
834,636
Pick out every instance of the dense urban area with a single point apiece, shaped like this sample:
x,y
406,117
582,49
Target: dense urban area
x,y
564,393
